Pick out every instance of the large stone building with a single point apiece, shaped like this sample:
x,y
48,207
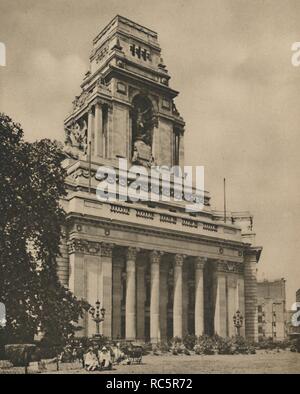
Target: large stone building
x,y
159,270
272,314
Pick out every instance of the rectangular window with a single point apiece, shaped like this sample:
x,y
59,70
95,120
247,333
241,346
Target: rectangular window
x,y
176,147
259,308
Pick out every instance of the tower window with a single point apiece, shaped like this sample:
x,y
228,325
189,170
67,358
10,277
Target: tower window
x,y
176,147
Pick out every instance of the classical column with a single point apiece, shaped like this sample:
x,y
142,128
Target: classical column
x,y
186,285
155,257
92,281
108,132
199,295
90,136
220,320
130,309
232,292
140,300
98,151
76,278
63,261
116,294
163,299
241,300
177,306
105,288
250,261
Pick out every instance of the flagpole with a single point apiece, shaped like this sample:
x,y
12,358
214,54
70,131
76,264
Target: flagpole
x,y
225,200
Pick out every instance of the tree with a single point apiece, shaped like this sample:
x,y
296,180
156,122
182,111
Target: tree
x,y
31,221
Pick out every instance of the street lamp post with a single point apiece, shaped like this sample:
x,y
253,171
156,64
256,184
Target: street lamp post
x,y
97,316
238,321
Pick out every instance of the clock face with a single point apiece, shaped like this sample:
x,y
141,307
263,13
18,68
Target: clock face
x,y
141,53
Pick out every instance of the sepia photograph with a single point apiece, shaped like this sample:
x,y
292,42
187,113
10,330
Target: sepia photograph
x,y
149,189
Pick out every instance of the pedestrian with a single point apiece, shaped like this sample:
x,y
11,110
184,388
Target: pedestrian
x,y
105,358
91,361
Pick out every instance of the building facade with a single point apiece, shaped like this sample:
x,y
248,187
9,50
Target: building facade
x,y
159,270
272,314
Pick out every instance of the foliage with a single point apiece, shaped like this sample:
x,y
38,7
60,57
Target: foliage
x,y
164,347
284,344
31,220
219,345
49,352
268,344
189,341
295,345
224,345
125,346
98,341
176,340
146,348
177,346
2,352
241,345
74,348
156,349
205,345
19,354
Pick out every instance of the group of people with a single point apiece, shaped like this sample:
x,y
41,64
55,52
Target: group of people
x,y
102,359
94,357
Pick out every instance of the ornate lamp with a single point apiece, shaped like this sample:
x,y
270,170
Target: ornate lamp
x,y
238,321
97,315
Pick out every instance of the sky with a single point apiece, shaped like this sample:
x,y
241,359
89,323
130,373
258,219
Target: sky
x,y
239,95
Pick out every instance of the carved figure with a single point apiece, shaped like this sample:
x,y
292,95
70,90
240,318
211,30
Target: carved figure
x,y
142,131
76,139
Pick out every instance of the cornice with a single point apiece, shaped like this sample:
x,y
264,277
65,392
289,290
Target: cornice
x,y
166,233
125,21
154,85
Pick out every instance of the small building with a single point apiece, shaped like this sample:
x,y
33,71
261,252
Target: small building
x,y
272,315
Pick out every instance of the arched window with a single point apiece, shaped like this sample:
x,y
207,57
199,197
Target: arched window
x,y
142,129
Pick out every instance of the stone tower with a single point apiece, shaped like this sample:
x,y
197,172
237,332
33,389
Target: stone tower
x,y
126,107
